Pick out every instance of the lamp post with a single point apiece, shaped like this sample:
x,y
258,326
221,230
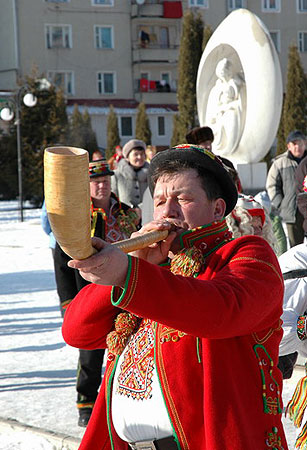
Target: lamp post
x,y
7,114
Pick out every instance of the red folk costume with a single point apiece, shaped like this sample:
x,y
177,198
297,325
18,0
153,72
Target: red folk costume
x,y
216,337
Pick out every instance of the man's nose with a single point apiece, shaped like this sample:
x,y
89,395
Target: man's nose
x,y
170,209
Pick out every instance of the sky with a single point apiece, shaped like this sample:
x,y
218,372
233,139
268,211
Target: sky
x,y
38,370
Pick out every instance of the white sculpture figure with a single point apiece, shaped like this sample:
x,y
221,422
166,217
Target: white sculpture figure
x,y
254,88
225,108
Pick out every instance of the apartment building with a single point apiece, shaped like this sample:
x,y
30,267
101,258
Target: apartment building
x,y
121,52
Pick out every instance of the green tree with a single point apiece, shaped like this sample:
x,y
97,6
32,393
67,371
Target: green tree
x,y
175,137
81,133
113,138
189,58
206,36
90,141
294,116
142,127
76,138
43,125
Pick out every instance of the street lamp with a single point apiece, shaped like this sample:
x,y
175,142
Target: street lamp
x,y
7,114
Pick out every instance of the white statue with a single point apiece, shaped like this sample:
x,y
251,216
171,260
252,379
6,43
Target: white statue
x,y
225,109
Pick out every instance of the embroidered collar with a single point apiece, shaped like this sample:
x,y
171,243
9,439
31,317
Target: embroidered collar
x,y
206,238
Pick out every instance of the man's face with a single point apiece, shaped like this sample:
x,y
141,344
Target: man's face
x,y
181,199
297,148
100,187
137,158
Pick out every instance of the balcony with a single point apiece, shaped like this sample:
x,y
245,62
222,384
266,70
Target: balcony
x,y
157,8
155,92
154,53
154,9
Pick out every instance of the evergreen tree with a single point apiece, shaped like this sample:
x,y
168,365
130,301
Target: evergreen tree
x,y
294,115
41,126
281,138
76,137
189,58
81,133
113,138
90,141
142,127
206,36
175,137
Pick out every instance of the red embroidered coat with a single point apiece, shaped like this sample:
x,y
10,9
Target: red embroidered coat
x,y
219,377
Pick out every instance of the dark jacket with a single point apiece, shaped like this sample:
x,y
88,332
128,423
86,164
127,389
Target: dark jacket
x,y
281,186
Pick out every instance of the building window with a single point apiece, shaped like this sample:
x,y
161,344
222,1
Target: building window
x,y
302,41
271,5
165,76
63,80
58,36
103,36
235,4
161,126
103,2
144,75
106,83
302,6
126,126
164,37
199,3
275,35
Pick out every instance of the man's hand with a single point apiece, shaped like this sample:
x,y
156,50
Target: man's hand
x,y
158,252
107,267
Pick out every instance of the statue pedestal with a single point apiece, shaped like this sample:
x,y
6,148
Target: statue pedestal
x,y
252,176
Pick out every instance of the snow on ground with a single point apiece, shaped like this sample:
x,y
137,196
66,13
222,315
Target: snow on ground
x,y
38,370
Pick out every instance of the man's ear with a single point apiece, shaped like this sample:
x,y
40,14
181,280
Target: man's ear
x,y
219,208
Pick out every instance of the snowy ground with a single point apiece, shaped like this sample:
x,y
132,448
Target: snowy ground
x,y
37,375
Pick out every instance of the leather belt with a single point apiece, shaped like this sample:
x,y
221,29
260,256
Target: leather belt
x,y
157,444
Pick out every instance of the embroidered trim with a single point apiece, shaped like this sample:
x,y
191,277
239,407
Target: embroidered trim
x,y
247,258
162,375
273,441
268,335
170,335
271,405
301,328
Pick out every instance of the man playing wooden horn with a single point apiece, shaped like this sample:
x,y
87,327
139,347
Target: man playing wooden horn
x,y
192,323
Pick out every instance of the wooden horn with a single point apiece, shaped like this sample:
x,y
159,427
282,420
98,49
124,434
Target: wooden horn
x,y
67,198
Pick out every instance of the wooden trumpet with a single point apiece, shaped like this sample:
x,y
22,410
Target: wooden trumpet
x,y
139,242
67,198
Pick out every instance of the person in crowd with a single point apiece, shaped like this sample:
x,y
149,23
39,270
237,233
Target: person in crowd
x,y
130,179
47,228
150,151
111,221
192,346
301,182
293,264
204,136
278,230
281,186
250,217
115,159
